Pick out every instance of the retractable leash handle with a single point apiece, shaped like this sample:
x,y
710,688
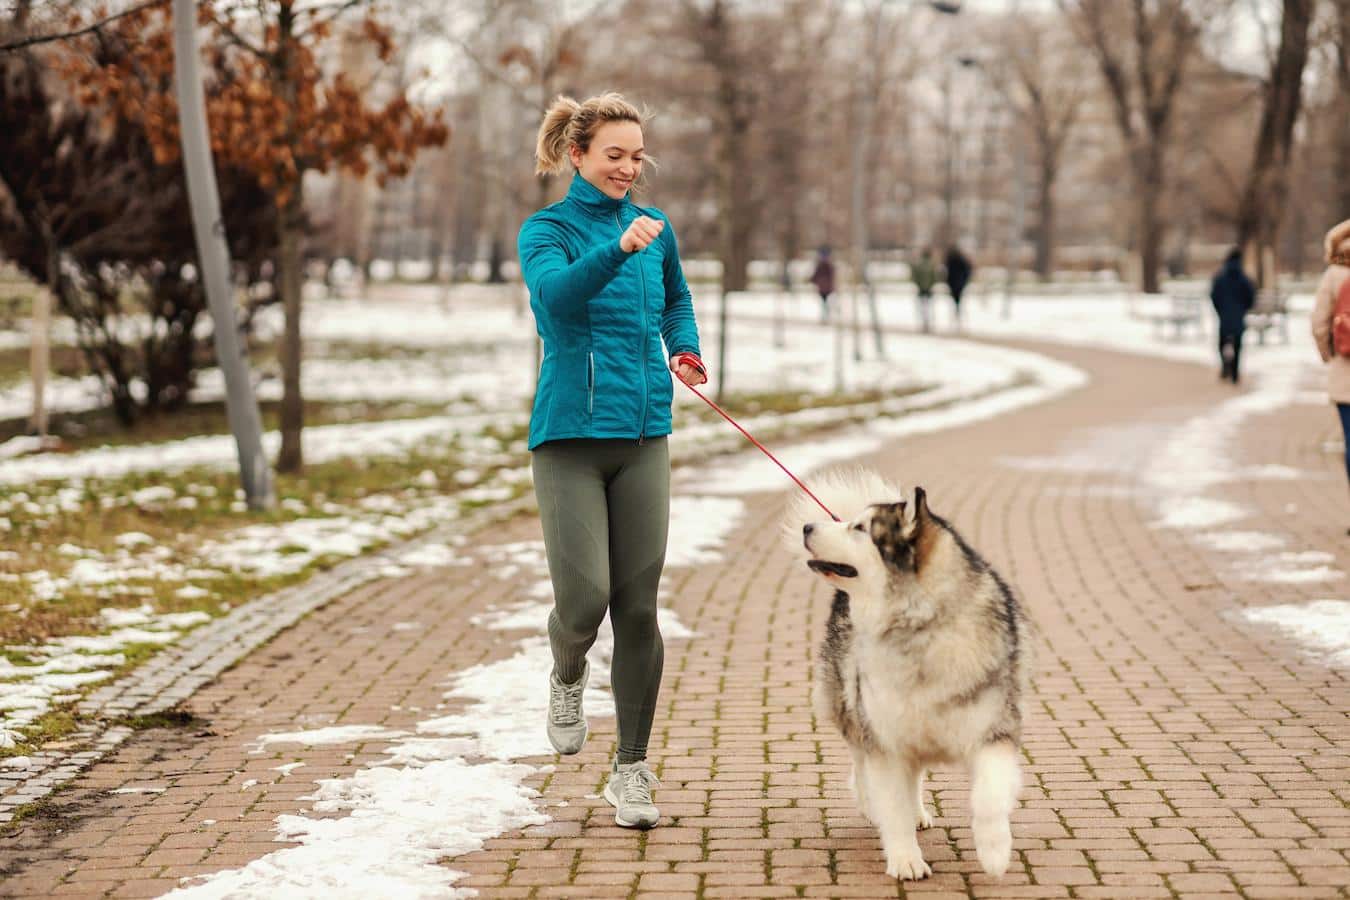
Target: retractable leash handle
x,y
696,363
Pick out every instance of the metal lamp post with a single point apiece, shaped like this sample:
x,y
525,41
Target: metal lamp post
x,y
214,256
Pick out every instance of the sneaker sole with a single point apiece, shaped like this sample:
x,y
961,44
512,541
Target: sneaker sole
x,y
619,820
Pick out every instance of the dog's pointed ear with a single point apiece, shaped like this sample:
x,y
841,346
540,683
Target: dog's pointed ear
x,y
920,504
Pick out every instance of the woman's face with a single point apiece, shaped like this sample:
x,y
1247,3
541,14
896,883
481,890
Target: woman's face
x,y
614,160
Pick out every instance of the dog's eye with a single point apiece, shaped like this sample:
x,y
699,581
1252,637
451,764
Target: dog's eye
x,y
859,527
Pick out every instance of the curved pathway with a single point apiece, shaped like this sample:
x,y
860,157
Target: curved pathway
x,y
1174,748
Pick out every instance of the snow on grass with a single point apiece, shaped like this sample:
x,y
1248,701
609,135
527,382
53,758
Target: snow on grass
x,y
751,471
61,667
322,443
1322,626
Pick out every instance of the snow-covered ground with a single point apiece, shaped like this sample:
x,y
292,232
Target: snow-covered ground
x,y
464,759
483,383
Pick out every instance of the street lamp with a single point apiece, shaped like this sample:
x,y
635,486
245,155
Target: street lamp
x,y
1015,225
867,103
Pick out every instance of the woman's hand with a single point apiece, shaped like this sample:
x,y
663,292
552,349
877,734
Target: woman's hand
x,y
640,234
689,368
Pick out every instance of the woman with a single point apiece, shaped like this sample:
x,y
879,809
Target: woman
x,y
1338,366
607,290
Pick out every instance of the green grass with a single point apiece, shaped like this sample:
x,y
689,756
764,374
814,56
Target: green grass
x,y
47,815
15,363
99,427
16,297
169,718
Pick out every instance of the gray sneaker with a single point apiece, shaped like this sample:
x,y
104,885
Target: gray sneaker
x,y
566,719
629,791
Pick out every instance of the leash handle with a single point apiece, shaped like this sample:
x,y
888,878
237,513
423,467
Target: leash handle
x,y
752,440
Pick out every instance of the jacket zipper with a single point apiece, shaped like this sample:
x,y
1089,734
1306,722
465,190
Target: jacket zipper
x,y
642,323
590,383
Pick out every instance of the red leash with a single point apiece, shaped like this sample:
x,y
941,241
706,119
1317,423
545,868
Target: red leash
x,y
751,438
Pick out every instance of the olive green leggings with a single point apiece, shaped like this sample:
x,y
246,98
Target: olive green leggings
x,y
605,508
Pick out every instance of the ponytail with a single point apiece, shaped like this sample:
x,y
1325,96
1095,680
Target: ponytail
x,y
550,152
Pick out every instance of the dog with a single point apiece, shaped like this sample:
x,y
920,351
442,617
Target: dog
x,y
925,662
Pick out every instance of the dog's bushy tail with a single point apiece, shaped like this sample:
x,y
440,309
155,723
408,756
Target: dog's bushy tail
x,y
995,779
846,490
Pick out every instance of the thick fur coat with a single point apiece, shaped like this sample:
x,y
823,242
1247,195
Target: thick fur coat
x,y
924,662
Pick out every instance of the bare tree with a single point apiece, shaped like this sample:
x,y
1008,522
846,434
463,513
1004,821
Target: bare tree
x,y
880,62
1143,74
1262,201
1044,94
1343,96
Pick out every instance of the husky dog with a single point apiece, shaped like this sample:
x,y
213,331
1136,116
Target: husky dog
x,y
924,662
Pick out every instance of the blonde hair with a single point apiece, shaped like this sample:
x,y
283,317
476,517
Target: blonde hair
x,y
1338,244
568,123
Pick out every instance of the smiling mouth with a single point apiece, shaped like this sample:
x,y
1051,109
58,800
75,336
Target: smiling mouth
x,y
825,567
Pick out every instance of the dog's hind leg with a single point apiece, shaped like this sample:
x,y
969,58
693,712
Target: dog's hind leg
x,y
862,793
921,815
892,783
995,779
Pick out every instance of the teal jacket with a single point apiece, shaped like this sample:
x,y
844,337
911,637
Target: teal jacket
x,y
602,315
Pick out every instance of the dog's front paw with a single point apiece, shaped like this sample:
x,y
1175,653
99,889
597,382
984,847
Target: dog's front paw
x,y
907,865
923,817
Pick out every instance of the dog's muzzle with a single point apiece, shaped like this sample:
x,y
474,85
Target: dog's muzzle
x,y
825,567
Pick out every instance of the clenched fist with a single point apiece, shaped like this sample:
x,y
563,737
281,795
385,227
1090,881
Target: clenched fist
x,y
640,234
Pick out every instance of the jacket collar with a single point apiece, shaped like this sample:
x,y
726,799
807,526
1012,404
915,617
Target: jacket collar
x,y
592,199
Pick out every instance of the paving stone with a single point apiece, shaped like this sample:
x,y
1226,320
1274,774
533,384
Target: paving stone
x,y
1171,750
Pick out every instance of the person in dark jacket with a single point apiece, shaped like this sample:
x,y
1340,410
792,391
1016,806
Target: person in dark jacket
x,y
616,317
1233,294
959,270
823,279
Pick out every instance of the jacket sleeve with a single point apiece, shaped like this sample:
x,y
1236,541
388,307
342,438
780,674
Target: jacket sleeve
x,y
678,328
1321,317
555,283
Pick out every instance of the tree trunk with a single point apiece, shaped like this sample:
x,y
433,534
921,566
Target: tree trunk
x,y
1343,94
1263,195
1045,229
291,458
41,360
947,231
1149,176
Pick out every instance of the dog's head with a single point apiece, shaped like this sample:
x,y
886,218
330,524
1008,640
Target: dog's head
x,y
867,553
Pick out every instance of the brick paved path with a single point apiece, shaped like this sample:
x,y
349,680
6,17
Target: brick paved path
x,y
1173,750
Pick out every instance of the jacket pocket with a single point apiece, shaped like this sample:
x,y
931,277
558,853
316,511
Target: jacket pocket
x,y
568,382
590,383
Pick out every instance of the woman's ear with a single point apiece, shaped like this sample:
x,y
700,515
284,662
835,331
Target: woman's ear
x,y
574,154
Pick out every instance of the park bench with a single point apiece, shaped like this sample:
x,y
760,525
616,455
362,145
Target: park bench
x,y
1180,311
1271,310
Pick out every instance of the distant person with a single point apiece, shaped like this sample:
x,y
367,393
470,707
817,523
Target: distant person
x,y
1331,325
823,279
1233,295
959,270
924,274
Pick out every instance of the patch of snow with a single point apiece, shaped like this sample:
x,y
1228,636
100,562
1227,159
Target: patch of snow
x,y
1322,626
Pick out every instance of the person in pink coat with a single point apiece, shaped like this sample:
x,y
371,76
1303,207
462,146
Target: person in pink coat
x,y
1338,367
